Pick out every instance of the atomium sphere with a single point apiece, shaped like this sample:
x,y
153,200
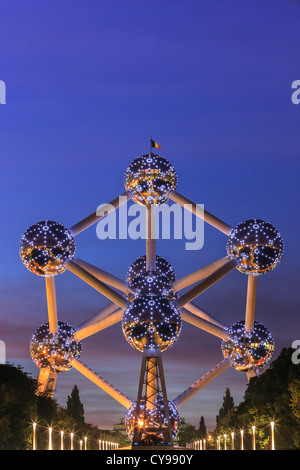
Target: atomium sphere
x,y
54,350
45,247
151,321
139,267
152,418
151,283
249,351
257,245
149,179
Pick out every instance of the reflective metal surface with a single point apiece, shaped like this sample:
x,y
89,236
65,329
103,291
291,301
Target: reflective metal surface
x,y
54,350
45,247
149,179
257,245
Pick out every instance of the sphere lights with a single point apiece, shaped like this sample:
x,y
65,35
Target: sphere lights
x,y
151,419
149,179
151,283
45,247
139,267
248,350
257,245
151,321
54,350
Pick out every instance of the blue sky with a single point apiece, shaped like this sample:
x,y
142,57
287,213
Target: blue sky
x,y
87,84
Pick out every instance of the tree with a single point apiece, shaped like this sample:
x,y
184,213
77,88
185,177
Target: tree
x,y
17,407
74,406
202,429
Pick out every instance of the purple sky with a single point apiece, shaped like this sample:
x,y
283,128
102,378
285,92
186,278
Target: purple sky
x,y
87,84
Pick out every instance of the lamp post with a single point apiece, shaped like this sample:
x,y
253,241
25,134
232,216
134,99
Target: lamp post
x,y
242,439
253,438
85,443
72,441
50,439
34,436
232,441
225,441
61,440
272,436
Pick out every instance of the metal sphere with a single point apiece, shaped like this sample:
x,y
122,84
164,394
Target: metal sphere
x,y
45,247
150,419
139,267
149,179
151,321
151,283
248,350
257,245
54,350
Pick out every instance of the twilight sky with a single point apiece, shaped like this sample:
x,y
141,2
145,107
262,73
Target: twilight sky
x,y
87,84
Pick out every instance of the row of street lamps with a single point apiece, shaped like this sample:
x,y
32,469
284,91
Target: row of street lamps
x,y
103,444
201,444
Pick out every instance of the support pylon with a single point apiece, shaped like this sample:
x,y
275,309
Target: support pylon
x,y
152,417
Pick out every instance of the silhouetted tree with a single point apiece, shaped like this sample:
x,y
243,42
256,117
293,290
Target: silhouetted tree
x,y
74,406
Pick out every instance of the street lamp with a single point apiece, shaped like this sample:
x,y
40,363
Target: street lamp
x,y
225,441
232,441
272,436
72,440
61,440
34,437
50,438
242,439
253,438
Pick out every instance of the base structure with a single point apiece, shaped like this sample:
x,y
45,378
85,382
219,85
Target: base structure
x,y
152,424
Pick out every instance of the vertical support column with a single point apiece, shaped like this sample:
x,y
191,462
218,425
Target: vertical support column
x,y
150,238
151,392
250,304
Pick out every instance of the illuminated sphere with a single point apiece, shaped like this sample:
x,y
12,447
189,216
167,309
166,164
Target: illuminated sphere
x,y
151,321
151,283
149,419
257,245
54,350
248,350
139,267
149,179
45,247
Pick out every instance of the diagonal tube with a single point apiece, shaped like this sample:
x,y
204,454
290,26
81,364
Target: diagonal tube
x,y
102,383
72,266
104,312
207,217
103,275
202,382
196,276
202,314
93,218
204,325
207,282
99,325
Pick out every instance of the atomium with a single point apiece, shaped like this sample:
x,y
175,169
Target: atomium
x,y
149,179
54,350
150,420
248,350
257,245
45,247
151,321
151,304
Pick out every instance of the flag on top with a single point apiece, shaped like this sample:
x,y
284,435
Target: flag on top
x,y
154,144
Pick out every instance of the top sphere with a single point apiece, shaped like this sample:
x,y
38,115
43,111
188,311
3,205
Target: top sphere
x,y
149,179
45,247
257,245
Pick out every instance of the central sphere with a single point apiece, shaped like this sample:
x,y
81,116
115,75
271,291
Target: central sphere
x,y
248,350
150,419
54,350
151,283
45,247
151,321
149,179
257,245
